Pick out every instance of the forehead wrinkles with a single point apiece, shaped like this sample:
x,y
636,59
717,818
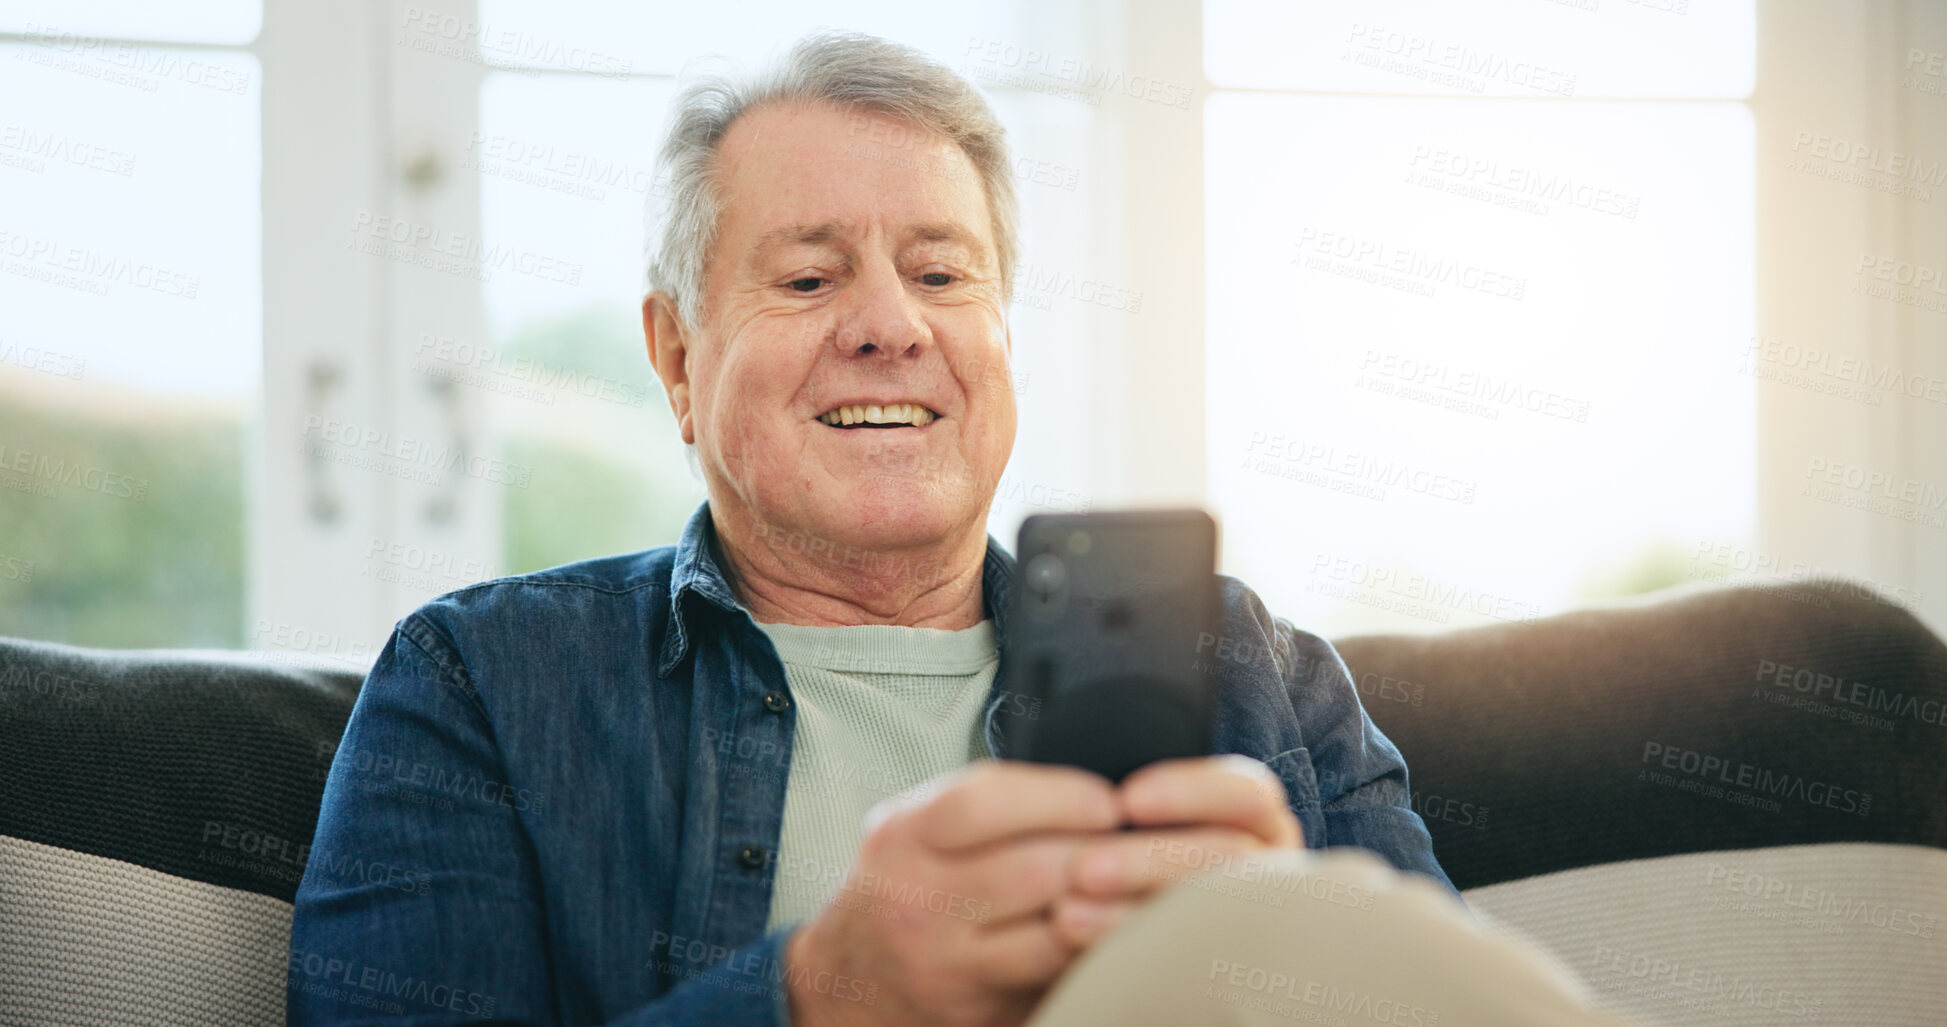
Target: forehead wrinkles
x,y
787,140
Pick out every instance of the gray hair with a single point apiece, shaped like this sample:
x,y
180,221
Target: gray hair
x,y
845,68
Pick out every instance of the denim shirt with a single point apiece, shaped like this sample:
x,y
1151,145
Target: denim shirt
x,y
559,797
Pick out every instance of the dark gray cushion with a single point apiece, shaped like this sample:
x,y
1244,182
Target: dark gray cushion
x,y
1584,738
205,765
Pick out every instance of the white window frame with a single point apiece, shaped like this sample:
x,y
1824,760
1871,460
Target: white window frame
x,y
340,325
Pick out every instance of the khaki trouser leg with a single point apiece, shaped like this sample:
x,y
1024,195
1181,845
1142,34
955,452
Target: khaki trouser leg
x,y
1336,937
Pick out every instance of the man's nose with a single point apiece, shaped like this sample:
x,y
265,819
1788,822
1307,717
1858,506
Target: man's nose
x,y
878,314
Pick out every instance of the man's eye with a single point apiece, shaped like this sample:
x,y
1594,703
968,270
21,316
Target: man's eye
x,y
806,284
937,278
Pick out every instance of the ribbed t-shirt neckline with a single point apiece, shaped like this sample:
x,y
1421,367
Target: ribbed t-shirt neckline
x,y
885,648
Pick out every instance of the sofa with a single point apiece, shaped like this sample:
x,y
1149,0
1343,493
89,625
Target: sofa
x,y
1722,806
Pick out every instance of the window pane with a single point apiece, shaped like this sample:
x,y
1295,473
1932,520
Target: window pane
x,y
1584,48
129,353
1457,347
565,163
81,30
1061,299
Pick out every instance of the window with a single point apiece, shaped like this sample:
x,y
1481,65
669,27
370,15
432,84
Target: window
x,y
1451,313
1473,317
130,355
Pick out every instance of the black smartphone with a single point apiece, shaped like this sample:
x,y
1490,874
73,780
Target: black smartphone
x,y
1101,658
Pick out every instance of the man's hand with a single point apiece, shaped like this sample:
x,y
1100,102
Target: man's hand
x,y
965,908
945,913
1184,815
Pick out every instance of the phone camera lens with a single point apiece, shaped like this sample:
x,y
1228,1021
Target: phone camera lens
x,y
1045,574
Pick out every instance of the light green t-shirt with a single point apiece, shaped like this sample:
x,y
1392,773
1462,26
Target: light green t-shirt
x,y
880,709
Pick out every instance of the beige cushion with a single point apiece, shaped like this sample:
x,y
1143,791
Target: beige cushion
x,y
88,940
1828,934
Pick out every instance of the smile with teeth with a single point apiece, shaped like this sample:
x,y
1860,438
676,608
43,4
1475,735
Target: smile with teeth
x,y
891,415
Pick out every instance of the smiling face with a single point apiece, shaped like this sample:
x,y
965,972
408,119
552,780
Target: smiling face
x,y
849,379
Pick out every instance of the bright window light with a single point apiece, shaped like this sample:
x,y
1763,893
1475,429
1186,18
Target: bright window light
x,y
1474,360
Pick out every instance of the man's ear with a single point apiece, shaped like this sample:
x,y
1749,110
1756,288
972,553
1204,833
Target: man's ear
x,y
669,352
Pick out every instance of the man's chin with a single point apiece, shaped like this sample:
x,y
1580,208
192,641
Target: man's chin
x,y
897,513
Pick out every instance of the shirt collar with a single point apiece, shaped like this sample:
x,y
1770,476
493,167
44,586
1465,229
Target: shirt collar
x,y
697,577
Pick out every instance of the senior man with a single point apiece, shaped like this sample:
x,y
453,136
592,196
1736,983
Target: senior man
x,y
747,778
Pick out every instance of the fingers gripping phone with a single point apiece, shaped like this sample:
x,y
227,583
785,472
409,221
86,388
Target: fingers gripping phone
x,y
1101,649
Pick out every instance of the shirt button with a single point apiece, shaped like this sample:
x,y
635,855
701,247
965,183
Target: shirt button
x,y
752,856
777,702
